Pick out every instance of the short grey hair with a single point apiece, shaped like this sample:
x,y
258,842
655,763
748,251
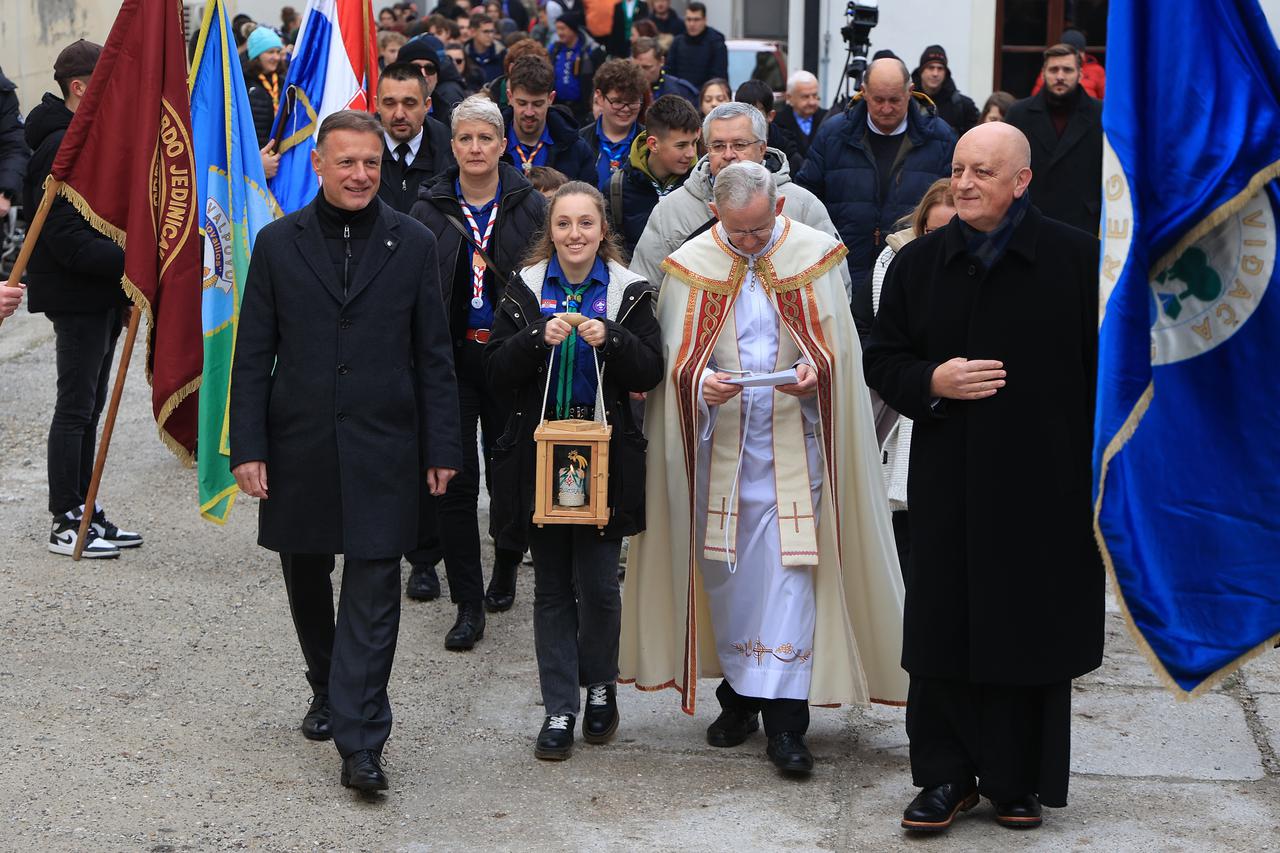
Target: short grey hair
x,y
799,77
477,108
884,64
740,182
735,109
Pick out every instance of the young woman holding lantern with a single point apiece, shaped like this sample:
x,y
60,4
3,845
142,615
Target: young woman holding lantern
x,y
573,336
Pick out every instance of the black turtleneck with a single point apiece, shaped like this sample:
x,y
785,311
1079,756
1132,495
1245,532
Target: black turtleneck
x,y
1061,109
346,233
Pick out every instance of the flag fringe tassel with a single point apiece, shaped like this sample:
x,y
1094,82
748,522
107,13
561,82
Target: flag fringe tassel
x,y
1223,212
117,235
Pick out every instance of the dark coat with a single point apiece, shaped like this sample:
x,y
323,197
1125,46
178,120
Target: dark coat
x,y
1066,173
639,198
1004,584
260,107
699,59
516,364
349,400
840,169
400,189
73,267
618,42
672,25
956,109
568,153
13,148
521,212
786,120
669,84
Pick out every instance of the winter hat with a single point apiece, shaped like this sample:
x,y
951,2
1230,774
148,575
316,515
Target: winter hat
x,y
260,41
1075,38
76,60
420,49
883,53
933,53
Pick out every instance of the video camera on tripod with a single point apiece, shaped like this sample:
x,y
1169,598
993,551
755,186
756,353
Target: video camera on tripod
x,y
862,17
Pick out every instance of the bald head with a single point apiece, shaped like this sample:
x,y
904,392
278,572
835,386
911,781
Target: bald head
x,y
990,168
887,90
890,70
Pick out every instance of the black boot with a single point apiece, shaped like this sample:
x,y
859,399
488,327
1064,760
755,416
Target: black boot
x,y
423,584
467,629
502,585
788,752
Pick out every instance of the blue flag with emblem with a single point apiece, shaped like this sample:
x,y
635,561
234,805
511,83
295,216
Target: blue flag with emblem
x,y
231,188
1186,459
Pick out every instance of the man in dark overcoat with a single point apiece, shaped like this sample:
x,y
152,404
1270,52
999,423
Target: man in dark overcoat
x,y
987,339
1064,126
343,399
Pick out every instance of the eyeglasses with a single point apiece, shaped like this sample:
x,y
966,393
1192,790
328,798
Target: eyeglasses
x,y
739,146
623,106
753,234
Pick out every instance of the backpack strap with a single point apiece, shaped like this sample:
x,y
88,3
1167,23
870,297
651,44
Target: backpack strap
x,y
615,198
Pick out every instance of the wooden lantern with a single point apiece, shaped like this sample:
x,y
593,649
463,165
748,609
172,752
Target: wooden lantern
x,y
572,484
573,473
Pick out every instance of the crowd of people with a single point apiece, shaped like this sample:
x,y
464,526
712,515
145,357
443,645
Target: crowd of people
x,y
832,345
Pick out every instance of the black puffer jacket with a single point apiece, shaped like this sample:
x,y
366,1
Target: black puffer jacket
x,y
260,105
956,109
13,149
521,213
516,366
73,267
569,153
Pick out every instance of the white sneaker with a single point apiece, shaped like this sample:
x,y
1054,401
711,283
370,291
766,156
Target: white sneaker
x,y
62,539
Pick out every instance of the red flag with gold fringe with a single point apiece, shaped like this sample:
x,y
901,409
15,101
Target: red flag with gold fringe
x,y
126,164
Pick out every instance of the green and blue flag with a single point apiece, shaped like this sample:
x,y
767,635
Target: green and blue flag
x,y
235,204
1186,456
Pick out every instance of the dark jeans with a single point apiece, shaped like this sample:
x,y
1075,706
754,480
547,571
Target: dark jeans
x,y
458,513
577,611
85,345
780,715
350,661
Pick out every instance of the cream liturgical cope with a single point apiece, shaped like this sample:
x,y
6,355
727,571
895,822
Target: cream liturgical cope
x,y
768,556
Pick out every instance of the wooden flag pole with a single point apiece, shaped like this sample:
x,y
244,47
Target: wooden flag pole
x,y
100,460
33,233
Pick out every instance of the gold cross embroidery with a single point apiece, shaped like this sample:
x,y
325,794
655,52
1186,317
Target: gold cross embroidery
x,y
795,516
723,512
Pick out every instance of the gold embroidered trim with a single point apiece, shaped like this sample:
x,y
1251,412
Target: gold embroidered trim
x,y
759,651
702,282
767,274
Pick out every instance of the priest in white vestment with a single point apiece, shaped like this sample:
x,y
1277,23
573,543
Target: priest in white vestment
x,y
769,556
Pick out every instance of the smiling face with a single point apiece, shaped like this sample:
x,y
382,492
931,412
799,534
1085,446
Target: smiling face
x,y
990,168
348,164
402,108
672,152
577,229
530,112
477,145
271,59
724,139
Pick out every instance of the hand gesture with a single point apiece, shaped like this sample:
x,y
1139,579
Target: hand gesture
x,y
717,392
962,379
556,331
807,384
593,332
270,159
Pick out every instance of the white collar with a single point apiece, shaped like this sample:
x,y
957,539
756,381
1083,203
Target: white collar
x,y
414,144
902,128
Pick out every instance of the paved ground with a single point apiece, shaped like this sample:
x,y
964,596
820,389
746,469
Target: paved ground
x,y
151,703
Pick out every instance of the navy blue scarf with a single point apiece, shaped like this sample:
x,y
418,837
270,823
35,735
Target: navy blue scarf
x,y
987,248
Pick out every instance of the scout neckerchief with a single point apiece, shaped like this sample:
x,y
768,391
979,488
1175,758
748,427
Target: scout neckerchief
x,y
616,152
273,89
569,347
527,160
482,240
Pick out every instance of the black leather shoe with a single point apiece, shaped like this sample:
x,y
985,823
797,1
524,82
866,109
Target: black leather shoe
x,y
362,770
934,808
789,754
600,720
732,728
1022,813
467,629
501,593
317,724
423,584
555,741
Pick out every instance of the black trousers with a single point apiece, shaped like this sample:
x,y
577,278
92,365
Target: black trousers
x,y
779,715
902,538
458,512
85,346
349,659
1015,739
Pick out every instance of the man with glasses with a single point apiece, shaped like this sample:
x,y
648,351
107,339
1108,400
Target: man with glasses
x,y
734,132
620,91
765,508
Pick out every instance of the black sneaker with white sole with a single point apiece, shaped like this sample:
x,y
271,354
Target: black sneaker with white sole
x,y
62,539
108,532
